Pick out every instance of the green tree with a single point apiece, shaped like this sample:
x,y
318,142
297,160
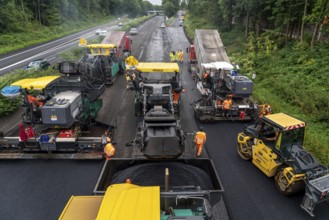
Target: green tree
x,y
170,7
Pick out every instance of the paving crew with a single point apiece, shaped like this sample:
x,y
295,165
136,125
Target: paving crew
x,y
227,105
172,56
199,140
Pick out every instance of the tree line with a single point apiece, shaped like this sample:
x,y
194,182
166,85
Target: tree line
x,y
19,15
290,17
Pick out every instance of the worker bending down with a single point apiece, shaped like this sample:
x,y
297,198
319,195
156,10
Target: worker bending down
x,y
199,140
109,149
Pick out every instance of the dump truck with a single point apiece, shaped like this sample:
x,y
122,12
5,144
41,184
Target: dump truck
x,y
275,146
217,79
148,189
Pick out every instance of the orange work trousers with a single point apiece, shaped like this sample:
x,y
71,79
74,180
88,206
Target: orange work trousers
x,y
199,149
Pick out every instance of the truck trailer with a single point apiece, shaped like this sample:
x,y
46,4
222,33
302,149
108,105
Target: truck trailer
x,y
217,79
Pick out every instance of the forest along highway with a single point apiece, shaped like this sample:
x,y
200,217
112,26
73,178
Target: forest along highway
x,y
20,58
39,189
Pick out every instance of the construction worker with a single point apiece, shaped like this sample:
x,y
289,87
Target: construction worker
x,y
268,109
176,94
177,55
199,140
172,56
206,75
109,150
265,110
227,105
181,56
130,77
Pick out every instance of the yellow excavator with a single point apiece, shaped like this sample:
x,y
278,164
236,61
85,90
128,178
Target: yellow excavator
x,y
275,146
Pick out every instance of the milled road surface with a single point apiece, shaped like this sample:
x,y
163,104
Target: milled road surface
x,y
40,189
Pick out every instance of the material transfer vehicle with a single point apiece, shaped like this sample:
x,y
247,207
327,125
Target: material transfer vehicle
x,y
275,146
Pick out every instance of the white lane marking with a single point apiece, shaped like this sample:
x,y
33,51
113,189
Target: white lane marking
x,y
39,54
5,58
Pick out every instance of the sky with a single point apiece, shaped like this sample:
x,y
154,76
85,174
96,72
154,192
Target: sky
x,y
155,2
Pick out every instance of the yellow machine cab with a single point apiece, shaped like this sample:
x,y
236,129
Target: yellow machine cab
x,y
121,201
101,49
35,83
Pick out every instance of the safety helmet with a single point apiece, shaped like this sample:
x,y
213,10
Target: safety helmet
x,y
201,128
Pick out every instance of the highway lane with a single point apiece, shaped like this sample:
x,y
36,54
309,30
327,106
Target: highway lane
x,y
48,50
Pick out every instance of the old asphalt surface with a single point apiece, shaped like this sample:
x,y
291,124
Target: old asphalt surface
x,y
39,189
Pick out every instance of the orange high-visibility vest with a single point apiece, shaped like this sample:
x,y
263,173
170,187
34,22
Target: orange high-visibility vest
x,y
227,104
175,97
200,137
109,150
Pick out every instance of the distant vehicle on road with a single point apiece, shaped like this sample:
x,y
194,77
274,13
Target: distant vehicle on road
x,y
133,31
163,25
120,24
180,22
101,32
39,64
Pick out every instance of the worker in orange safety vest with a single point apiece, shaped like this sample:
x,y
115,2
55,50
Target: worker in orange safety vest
x,y
199,140
181,56
176,94
265,110
227,105
109,149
